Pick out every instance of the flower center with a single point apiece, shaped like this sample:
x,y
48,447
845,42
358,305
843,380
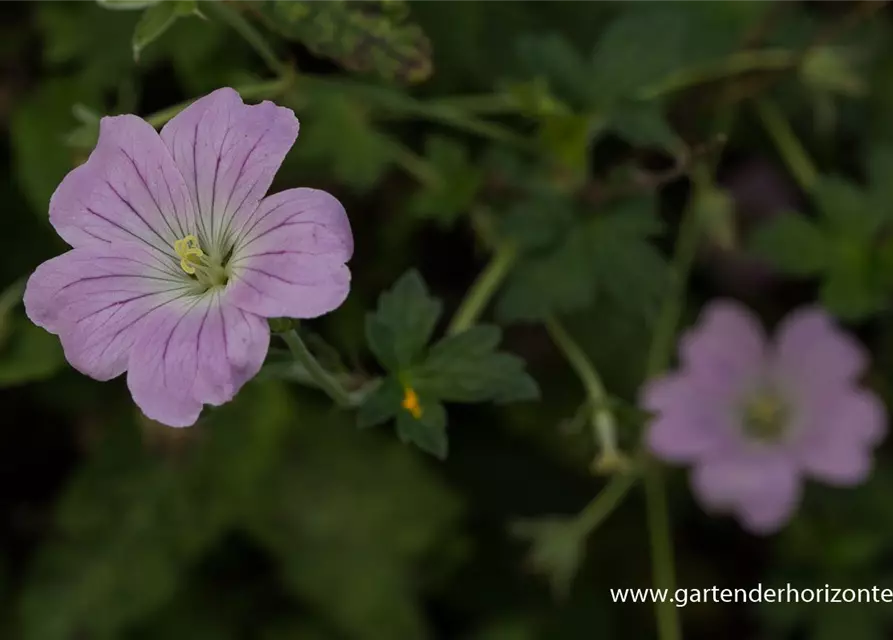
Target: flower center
x,y
766,416
205,269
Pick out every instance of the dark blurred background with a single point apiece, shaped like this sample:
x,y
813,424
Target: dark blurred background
x,y
275,518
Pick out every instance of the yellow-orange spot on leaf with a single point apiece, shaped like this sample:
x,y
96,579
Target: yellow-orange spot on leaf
x,y
411,403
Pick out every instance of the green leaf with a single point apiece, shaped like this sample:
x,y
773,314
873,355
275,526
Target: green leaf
x,y
428,431
880,171
792,243
851,289
157,19
403,323
644,124
129,525
92,43
339,134
713,31
9,300
846,207
354,524
567,139
458,184
541,285
128,5
637,50
382,404
366,37
552,58
539,221
467,368
831,70
39,126
28,353
607,255
556,549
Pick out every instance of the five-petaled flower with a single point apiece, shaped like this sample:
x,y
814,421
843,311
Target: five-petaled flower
x,y
178,258
753,418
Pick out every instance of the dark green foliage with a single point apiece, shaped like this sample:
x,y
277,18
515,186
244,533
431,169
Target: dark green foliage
x,y
348,519
604,257
123,546
465,367
458,182
404,322
570,137
27,352
157,19
343,139
848,246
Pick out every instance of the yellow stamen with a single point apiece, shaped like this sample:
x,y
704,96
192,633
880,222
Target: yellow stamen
x,y
190,253
765,409
411,403
766,417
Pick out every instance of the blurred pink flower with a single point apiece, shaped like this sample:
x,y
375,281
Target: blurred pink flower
x,y
753,418
178,257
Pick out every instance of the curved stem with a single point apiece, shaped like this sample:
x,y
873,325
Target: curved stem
x,y
396,105
608,499
686,249
484,287
251,35
267,89
414,164
323,378
602,418
741,62
790,148
668,624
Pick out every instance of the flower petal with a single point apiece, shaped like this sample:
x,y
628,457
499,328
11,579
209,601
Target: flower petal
x,y
694,417
96,299
289,258
727,343
228,153
837,435
128,190
812,353
199,351
762,488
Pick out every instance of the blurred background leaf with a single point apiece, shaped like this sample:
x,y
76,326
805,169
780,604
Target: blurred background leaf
x,y
373,37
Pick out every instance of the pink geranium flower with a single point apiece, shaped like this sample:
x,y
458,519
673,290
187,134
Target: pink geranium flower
x,y
754,418
178,257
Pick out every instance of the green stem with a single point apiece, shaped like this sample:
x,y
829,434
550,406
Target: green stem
x,y
668,624
488,103
484,287
737,63
267,89
790,148
686,250
252,36
323,378
413,164
397,105
608,499
602,418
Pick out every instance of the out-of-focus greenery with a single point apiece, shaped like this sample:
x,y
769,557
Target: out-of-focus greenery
x,y
504,165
